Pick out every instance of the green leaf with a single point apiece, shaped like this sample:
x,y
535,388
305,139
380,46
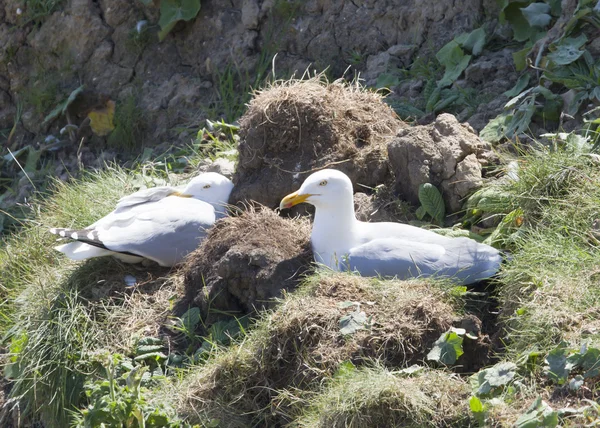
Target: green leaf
x,y
590,361
190,319
172,11
520,58
61,108
474,41
447,349
557,369
501,374
431,199
521,28
353,322
537,14
151,356
454,59
459,233
568,51
475,404
539,414
149,341
433,98
495,130
387,80
519,86
421,212
576,383
146,349
344,369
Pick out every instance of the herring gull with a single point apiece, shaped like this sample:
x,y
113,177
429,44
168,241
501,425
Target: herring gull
x,y
162,224
342,242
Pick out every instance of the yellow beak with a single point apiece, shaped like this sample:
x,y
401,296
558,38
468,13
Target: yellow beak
x,y
293,199
181,195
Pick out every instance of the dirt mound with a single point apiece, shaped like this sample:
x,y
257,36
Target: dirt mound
x,y
296,127
300,344
445,153
246,261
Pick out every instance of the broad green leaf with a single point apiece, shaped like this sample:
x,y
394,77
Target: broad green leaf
x,y
537,14
590,362
539,414
501,374
344,369
433,99
190,319
447,349
568,51
454,59
421,212
520,58
172,11
431,199
443,103
556,359
146,349
474,41
495,130
521,28
519,86
352,322
151,356
387,80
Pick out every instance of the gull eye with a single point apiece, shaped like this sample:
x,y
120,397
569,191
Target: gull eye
x,y
206,186
323,183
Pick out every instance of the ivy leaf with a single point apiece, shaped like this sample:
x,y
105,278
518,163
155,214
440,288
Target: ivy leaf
x,y
352,322
447,349
568,51
537,14
495,130
576,383
172,11
431,199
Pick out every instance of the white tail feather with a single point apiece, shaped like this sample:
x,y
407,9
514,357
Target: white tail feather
x,y
82,251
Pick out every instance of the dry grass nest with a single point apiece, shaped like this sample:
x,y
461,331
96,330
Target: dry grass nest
x,y
298,345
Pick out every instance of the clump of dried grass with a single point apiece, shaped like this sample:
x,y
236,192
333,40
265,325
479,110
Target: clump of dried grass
x,y
299,345
247,260
376,396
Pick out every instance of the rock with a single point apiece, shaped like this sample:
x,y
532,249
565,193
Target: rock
x,y
246,261
447,154
376,65
222,166
292,129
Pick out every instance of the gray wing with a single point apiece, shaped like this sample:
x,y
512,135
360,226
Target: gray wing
x,y
461,259
153,194
163,231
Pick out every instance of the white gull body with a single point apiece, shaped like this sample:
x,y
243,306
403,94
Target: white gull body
x,y
162,224
342,242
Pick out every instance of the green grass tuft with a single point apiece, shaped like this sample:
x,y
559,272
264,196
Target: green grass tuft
x,y
129,125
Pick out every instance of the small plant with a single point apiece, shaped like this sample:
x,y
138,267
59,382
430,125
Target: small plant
x,y
118,400
448,348
432,203
355,320
129,125
173,11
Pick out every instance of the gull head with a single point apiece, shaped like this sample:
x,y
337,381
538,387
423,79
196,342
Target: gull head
x,y
328,187
209,187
